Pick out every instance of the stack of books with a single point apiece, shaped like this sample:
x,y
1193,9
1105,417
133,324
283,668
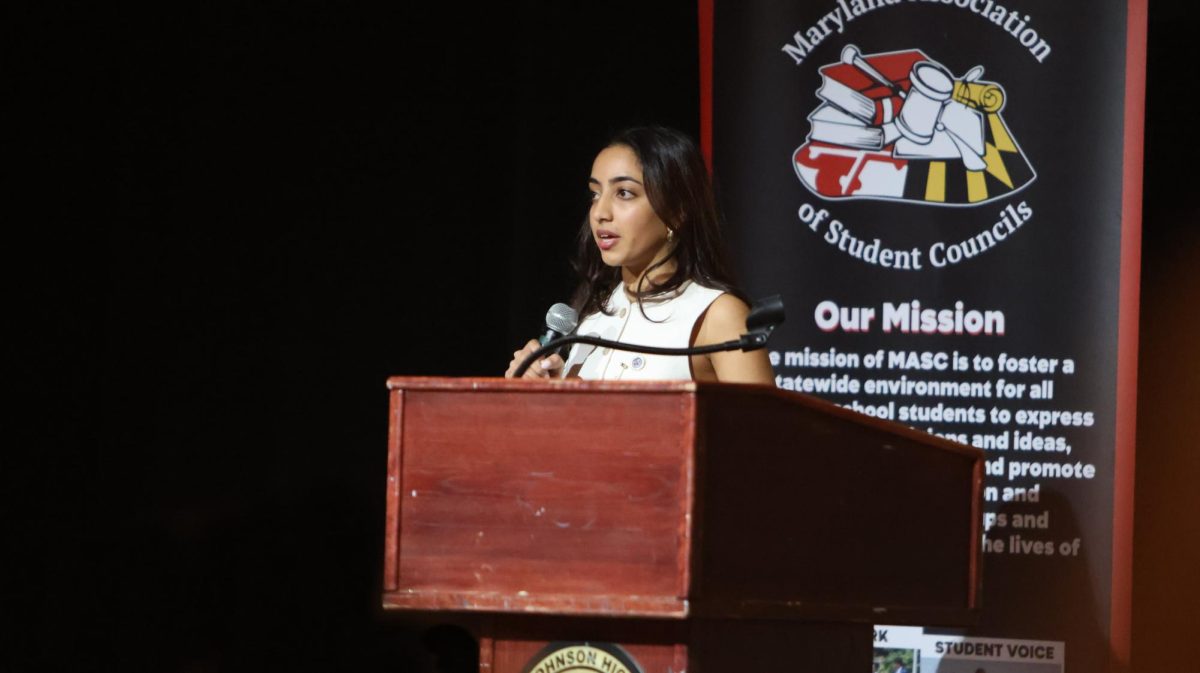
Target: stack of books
x,y
855,107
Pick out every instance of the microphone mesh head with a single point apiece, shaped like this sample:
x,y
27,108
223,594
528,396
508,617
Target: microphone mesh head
x,y
562,318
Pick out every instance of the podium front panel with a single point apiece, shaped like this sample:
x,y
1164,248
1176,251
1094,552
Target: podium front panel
x,y
567,500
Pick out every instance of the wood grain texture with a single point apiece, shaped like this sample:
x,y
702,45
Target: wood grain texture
x,y
537,501
391,536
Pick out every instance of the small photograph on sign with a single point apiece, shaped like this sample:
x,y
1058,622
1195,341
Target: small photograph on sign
x,y
895,660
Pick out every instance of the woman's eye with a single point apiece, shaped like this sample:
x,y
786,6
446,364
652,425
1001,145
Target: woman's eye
x,y
625,194
593,196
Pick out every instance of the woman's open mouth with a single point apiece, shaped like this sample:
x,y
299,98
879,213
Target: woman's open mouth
x,y
606,239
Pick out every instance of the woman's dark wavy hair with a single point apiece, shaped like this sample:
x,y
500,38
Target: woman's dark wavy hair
x,y
681,194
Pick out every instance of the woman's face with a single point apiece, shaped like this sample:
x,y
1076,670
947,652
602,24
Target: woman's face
x,y
624,225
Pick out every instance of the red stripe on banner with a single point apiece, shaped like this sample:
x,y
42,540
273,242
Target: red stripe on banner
x,y
705,21
1127,334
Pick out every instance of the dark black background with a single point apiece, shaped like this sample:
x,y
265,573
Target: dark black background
x,y
284,204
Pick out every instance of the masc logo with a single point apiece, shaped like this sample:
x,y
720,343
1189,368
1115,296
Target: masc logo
x,y
899,126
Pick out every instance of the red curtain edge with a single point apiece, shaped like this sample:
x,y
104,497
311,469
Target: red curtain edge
x,y
1121,607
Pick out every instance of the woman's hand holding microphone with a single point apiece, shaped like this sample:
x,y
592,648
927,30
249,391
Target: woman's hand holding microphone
x,y
547,367
560,319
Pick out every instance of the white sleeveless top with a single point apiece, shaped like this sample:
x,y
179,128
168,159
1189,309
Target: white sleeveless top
x,y
676,316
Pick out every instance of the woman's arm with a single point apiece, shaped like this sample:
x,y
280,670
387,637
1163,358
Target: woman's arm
x,y
725,320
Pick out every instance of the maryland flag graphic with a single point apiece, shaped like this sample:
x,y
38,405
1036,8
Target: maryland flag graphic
x,y
898,126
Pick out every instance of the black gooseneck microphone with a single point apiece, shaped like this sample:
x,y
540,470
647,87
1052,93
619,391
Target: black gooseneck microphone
x,y
765,315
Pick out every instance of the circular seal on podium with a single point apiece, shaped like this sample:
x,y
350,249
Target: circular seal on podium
x,y
582,657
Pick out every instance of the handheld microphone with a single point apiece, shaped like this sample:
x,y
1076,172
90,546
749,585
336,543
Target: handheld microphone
x,y
560,321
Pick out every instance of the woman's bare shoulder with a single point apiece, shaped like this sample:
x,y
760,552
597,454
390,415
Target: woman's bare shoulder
x,y
725,319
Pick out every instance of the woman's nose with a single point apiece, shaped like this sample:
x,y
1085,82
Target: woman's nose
x,y
602,209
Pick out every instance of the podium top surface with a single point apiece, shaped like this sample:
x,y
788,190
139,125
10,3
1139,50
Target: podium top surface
x,y
565,385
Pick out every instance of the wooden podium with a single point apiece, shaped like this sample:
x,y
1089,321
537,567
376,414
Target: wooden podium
x,y
686,526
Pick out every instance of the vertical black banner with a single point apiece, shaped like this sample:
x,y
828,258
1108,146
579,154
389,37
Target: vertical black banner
x,y
942,191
